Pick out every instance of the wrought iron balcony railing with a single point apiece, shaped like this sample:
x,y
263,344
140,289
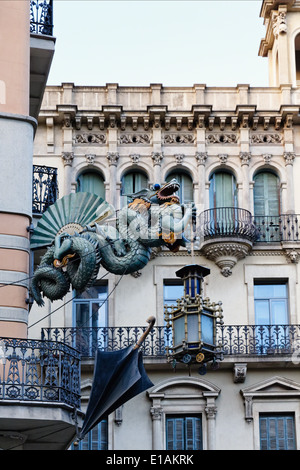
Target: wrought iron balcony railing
x,y
237,340
44,188
41,17
234,222
227,222
39,371
281,228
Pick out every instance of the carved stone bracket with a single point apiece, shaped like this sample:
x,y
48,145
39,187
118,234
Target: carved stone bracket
x,y
90,158
113,158
201,158
292,255
157,158
226,253
240,372
245,158
289,158
68,158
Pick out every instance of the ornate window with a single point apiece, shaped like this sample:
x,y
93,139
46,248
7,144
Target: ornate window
x,y
184,432
91,182
96,439
266,194
185,192
89,316
277,431
222,190
176,400
132,182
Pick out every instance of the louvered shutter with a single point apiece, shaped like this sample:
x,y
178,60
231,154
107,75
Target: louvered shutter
x,y
184,433
266,195
277,432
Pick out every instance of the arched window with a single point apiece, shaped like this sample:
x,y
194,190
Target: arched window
x,y
132,182
91,182
266,194
222,190
185,192
297,58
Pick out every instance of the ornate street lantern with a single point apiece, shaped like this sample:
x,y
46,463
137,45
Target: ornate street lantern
x,y
193,320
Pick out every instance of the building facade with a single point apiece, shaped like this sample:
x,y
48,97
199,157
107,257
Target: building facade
x,y
36,410
235,152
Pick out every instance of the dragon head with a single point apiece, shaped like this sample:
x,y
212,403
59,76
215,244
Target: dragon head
x,y
63,244
159,194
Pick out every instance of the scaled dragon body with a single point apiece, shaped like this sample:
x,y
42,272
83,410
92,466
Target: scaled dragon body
x,y
154,218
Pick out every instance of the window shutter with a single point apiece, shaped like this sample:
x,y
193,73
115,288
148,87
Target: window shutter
x,y
91,182
266,195
277,432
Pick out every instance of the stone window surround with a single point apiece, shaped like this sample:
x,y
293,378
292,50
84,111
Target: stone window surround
x,y
273,395
268,272
183,395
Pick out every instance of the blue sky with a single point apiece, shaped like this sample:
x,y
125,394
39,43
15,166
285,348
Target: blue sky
x,y
173,42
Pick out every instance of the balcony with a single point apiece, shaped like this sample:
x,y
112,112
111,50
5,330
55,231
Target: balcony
x,y
226,234
39,393
44,188
42,45
275,229
244,341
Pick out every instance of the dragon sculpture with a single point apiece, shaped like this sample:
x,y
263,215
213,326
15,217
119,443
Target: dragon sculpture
x,y
80,243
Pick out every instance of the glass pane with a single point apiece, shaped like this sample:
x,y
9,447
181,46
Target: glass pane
x,y
192,327
269,291
179,331
207,324
172,293
262,313
278,312
82,314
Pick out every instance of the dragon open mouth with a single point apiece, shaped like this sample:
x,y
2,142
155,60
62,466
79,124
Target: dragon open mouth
x,y
167,192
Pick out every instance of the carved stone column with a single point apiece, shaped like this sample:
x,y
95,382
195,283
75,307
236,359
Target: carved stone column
x,y
289,160
201,158
67,158
211,411
245,160
113,158
157,158
157,437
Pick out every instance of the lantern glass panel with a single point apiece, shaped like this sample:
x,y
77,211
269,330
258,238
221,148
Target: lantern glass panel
x,y
207,329
192,328
179,330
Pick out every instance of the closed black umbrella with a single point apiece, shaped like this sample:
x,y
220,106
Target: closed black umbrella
x,y
118,377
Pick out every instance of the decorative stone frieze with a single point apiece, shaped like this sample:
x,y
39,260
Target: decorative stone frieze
x,y
178,139
266,138
133,139
90,139
218,138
